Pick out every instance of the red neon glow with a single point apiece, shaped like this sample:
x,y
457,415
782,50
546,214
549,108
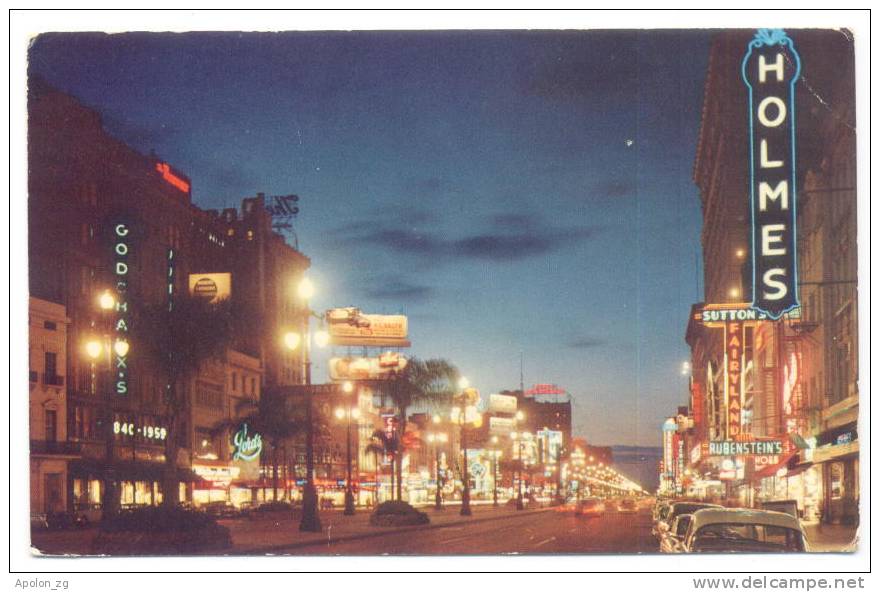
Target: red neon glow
x,y
545,389
176,181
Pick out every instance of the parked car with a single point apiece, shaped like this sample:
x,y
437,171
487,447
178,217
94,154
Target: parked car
x,y
59,521
627,506
590,507
220,509
728,530
671,540
664,523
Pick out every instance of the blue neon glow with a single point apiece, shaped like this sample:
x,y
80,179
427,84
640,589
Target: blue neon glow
x,y
769,37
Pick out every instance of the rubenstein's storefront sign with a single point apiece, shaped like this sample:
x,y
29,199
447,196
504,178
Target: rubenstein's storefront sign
x,y
770,69
748,448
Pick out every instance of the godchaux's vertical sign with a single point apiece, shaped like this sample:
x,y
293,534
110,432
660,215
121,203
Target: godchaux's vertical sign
x,y
121,248
770,69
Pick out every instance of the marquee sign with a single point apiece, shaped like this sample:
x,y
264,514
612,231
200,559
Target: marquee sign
x,y
246,446
770,69
121,241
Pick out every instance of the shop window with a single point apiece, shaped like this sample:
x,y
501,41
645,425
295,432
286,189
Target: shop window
x,y
836,479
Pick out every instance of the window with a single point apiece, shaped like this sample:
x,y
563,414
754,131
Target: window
x,y
234,381
51,425
253,386
51,367
50,325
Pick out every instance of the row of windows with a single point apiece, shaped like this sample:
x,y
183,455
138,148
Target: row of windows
x,y
244,383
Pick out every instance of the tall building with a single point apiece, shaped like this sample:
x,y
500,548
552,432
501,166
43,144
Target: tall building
x,y
796,377
50,450
114,238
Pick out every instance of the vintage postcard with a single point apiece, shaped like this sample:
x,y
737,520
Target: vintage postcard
x,y
446,292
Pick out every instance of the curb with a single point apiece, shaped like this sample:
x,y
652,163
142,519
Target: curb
x,y
369,535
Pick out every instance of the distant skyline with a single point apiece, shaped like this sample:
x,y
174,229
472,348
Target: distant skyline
x,y
509,191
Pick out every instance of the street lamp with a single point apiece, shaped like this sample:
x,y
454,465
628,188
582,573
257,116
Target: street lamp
x,y
517,440
436,439
495,452
461,416
310,520
348,412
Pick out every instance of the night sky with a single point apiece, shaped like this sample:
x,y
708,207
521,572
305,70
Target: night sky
x,y
509,191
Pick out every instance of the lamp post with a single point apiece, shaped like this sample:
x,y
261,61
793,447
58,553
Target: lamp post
x,y
310,520
348,413
96,349
495,471
460,415
517,442
436,439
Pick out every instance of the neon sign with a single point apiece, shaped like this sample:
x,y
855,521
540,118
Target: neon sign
x,y
148,431
165,170
747,448
770,69
733,339
246,447
120,251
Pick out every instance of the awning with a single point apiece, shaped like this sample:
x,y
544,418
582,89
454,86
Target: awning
x,y
128,471
771,470
798,469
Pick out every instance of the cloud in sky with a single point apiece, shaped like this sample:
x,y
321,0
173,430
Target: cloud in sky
x,y
508,238
586,342
398,289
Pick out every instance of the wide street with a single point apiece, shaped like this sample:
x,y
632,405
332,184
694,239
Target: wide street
x,y
534,532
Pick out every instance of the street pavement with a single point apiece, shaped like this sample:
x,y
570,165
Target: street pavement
x,y
499,532
488,531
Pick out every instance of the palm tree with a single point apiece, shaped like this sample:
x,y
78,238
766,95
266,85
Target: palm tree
x,y
383,444
184,337
422,382
269,418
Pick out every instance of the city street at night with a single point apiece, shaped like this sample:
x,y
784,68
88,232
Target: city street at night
x,y
452,292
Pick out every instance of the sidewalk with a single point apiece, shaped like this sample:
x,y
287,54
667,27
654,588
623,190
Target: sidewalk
x,y
268,536
831,538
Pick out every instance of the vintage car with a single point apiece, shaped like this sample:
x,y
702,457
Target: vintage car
x,y
664,522
727,530
627,506
591,506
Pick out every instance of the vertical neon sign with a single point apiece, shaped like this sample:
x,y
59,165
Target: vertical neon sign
x,y
770,69
121,327
733,357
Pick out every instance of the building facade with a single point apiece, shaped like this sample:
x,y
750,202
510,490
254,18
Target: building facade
x,y
796,377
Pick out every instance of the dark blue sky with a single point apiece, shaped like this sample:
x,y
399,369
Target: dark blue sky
x,y
509,191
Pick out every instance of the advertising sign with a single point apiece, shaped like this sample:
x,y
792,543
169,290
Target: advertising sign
x,y
121,248
545,389
717,314
733,364
246,446
367,330
501,426
213,287
770,69
747,448
350,368
502,404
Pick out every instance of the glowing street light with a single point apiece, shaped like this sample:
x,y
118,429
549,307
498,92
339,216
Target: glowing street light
x,y
306,289
106,300
322,338
291,340
94,348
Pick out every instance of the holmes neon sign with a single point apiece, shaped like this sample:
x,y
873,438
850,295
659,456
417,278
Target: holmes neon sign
x,y
246,447
770,69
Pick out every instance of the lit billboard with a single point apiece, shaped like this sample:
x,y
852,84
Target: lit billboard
x,y
367,329
360,368
213,287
